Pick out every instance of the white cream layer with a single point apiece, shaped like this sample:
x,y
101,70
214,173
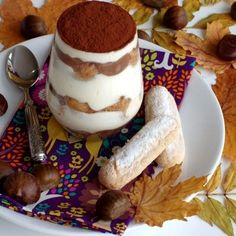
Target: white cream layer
x,y
95,57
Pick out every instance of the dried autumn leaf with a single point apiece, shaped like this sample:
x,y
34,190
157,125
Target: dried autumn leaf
x,y
209,2
205,49
224,18
215,180
170,3
167,40
225,90
13,12
214,212
191,7
142,15
129,5
203,213
158,18
156,216
157,200
230,178
231,208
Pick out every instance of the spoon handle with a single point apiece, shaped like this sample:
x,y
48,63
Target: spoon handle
x,y
36,143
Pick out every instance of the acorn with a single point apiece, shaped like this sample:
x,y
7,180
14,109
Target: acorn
x,y
226,48
22,187
112,204
233,11
175,18
33,26
47,176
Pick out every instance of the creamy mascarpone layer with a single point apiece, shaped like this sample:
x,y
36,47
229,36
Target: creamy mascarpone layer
x,y
99,92
95,57
91,123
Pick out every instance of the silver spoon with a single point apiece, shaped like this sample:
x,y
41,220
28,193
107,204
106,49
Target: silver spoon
x,y
22,69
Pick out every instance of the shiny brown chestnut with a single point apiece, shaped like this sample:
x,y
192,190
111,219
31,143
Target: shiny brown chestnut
x,y
33,26
47,176
175,18
233,11
3,105
5,170
22,187
226,48
112,204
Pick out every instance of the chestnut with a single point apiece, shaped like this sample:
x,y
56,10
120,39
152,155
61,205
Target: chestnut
x,y
175,18
5,170
22,187
143,35
47,176
112,204
226,48
233,11
33,26
3,105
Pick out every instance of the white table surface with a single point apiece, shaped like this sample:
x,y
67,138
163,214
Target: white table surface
x,y
194,226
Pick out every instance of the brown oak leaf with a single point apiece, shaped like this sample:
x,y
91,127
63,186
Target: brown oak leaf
x,y
12,13
158,199
225,90
205,50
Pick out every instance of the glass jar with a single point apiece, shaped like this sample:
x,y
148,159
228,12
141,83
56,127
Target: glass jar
x,y
92,92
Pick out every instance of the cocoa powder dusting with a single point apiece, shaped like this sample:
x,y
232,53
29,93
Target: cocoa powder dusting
x,y
96,27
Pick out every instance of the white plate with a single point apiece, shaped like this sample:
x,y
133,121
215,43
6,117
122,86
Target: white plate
x,y
201,116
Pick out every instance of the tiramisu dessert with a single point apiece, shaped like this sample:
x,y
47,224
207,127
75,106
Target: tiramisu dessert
x,y
95,78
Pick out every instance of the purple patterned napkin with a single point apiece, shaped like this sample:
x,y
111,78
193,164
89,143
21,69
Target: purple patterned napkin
x,y
72,202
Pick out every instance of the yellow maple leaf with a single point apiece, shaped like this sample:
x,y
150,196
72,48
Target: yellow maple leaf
x,y
230,178
205,50
129,5
224,18
141,12
225,90
142,15
191,7
214,212
215,180
13,12
209,2
158,199
167,40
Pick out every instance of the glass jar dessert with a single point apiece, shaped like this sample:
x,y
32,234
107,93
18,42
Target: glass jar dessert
x,y
95,79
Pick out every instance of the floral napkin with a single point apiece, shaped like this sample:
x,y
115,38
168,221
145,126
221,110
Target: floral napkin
x,y
73,201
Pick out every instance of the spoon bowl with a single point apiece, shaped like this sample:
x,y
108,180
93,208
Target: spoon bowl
x,y
23,70
22,67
